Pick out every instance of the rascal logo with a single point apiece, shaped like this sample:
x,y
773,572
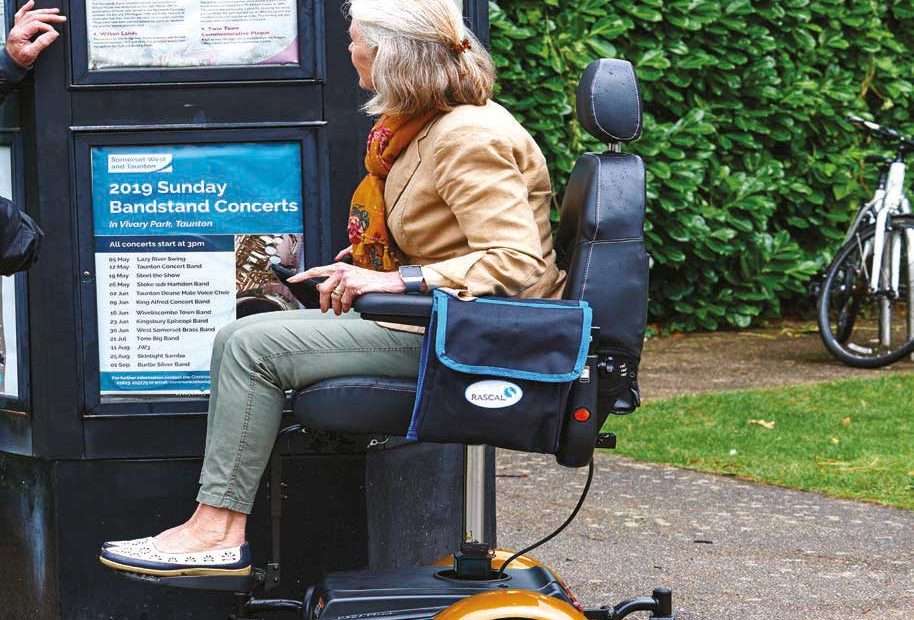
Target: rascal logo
x,y
493,394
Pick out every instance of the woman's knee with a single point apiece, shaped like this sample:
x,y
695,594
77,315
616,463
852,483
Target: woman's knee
x,y
253,344
242,347
225,332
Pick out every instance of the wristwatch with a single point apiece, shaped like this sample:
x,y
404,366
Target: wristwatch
x,y
412,277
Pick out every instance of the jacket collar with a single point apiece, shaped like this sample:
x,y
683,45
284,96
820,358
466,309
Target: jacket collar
x,y
405,167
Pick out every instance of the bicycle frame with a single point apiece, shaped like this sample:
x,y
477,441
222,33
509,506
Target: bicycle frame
x,y
884,277
891,205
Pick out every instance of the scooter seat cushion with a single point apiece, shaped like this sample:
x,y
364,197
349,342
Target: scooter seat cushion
x,y
368,405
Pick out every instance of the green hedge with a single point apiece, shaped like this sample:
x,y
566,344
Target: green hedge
x,y
752,171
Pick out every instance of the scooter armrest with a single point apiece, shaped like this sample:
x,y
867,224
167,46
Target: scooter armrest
x,y
395,308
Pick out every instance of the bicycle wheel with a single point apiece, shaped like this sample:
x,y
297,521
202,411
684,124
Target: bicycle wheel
x,y
862,327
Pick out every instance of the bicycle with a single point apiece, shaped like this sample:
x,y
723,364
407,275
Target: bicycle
x,y
866,299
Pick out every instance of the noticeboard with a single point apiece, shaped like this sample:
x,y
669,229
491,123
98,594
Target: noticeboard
x,y
181,233
13,298
187,33
148,41
180,242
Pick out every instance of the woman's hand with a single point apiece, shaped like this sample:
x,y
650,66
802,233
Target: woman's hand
x,y
344,283
343,254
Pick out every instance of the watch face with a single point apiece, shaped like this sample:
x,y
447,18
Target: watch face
x,y
412,277
411,272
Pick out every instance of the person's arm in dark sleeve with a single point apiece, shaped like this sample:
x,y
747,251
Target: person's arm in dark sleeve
x,y
32,32
10,74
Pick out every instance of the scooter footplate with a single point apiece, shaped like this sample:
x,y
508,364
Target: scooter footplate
x,y
242,583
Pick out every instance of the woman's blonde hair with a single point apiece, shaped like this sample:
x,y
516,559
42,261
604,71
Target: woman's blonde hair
x,y
425,59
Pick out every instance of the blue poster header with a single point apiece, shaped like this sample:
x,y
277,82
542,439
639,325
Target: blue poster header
x,y
211,189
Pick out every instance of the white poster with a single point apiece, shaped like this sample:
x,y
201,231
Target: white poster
x,y
3,24
191,33
9,364
6,170
9,360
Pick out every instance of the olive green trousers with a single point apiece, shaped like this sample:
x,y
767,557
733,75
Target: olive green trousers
x,y
256,360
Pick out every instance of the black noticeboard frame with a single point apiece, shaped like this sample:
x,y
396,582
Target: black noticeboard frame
x,y
311,46
314,221
20,404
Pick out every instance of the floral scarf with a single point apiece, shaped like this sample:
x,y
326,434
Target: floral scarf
x,y
372,246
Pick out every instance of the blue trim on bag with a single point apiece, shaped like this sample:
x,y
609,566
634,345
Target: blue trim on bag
x,y
545,303
413,432
508,373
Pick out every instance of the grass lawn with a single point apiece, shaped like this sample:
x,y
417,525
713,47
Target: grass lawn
x,y
851,439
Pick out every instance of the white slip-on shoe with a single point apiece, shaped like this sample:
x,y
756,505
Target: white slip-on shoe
x,y
146,559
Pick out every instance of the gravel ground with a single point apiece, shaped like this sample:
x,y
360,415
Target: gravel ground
x,y
729,549
787,354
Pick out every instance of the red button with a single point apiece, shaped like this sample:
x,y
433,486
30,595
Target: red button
x,y
581,415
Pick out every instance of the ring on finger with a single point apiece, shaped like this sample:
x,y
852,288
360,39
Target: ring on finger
x,y
337,292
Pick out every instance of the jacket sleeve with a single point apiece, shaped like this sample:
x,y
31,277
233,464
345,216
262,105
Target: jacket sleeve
x,y
478,177
10,74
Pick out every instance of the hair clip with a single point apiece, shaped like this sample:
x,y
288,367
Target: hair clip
x,y
463,46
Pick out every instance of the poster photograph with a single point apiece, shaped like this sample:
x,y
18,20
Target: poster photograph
x,y
184,238
191,33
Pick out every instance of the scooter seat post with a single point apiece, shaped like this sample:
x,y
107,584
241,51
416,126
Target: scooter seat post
x,y
474,505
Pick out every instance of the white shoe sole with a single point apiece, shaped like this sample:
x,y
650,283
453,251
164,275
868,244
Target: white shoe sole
x,y
201,571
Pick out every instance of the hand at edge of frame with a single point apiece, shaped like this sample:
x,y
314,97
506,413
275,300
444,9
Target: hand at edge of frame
x,y
32,32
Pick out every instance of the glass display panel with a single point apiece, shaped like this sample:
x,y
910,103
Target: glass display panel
x,y
191,33
9,346
184,236
9,358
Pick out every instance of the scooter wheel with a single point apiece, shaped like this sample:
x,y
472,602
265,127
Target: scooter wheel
x,y
505,604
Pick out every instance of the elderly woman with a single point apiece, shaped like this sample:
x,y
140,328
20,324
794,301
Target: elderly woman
x,y
457,195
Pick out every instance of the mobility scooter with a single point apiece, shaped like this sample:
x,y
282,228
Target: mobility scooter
x,y
600,243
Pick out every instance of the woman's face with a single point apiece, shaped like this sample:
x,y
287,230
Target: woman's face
x,y
362,56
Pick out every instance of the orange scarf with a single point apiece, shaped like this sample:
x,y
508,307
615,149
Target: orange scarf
x,y
372,246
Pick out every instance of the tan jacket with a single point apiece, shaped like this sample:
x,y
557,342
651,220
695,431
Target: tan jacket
x,y
468,199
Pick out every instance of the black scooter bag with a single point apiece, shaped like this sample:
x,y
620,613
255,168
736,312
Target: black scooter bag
x,y
498,371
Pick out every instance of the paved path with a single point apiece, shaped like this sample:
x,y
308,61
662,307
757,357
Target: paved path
x,y
729,549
